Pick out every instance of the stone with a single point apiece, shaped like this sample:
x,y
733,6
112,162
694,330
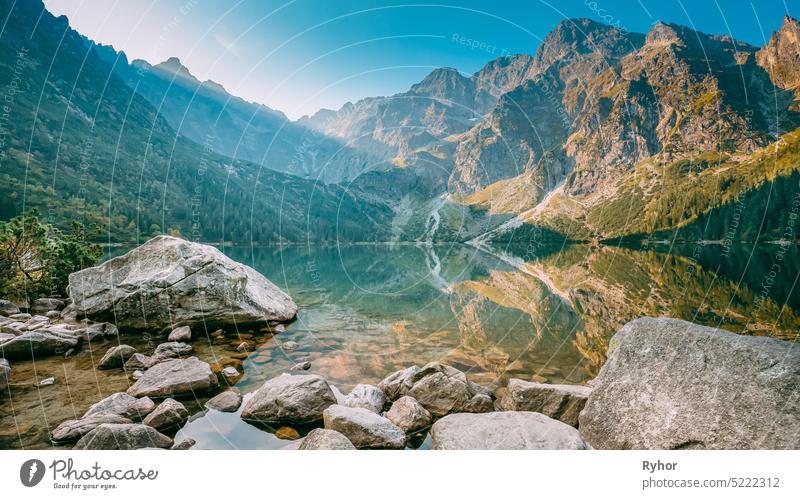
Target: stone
x,y
171,350
183,333
508,430
156,285
123,437
20,316
367,397
184,444
168,414
364,428
398,383
124,405
227,401
299,399
44,305
324,439
287,433
174,378
8,309
409,415
290,345
74,429
137,374
36,344
47,381
53,315
442,389
139,361
231,374
301,366
6,337
671,384
100,330
561,402
5,375
243,347
116,357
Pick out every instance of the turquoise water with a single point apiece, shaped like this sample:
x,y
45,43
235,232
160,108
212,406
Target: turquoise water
x,y
365,311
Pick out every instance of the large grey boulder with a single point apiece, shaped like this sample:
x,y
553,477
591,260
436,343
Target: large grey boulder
x,y
7,308
670,384
227,401
561,402
73,429
169,280
442,389
398,383
116,357
296,399
44,305
123,437
367,397
5,374
180,334
98,330
324,439
168,414
174,378
36,344
124,405
504,431
409,415
364,428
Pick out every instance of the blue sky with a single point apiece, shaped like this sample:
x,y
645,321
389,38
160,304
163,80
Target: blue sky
x,y
301,55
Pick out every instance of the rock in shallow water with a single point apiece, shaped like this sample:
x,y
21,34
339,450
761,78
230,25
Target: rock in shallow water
x,y
169,413
124,405
73,429
504,431
174,378
367,397
364,428
561,402
442,389
156,284
123,437
116,357
409,415
227,401
324,439
37,344
296,399
183,333
670,384
398,383
5,374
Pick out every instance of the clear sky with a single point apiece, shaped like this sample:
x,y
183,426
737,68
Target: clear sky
x,y
301,55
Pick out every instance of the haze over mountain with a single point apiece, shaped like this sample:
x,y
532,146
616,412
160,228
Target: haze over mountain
x,y
601,133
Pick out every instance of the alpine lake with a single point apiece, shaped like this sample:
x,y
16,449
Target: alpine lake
x,y
543,313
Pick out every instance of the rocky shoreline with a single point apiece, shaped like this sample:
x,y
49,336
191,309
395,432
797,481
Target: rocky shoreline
x,y
667,384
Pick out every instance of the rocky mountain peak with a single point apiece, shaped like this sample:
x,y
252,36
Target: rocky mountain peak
x,y
174,66
780,57
445,83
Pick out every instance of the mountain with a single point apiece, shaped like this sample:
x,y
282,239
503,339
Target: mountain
x,y
621,134
207,114
79,144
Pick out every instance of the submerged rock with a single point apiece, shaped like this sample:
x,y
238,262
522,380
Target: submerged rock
x,y
670,384
123,437
301,366
156,285
174,378
116,357
409,415
561,402
296,399
364,428
168,414
73,429
398,383
367,397
227,401
324,439
124,405
509,430
183,333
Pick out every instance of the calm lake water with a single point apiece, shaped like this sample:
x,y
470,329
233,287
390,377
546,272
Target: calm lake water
x,y
543,314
